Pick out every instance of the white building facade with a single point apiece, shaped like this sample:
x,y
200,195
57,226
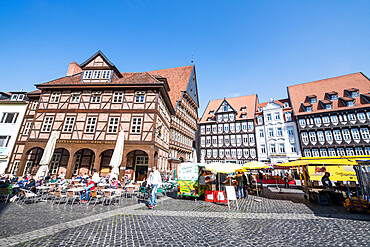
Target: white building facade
x,y
276,132
12,110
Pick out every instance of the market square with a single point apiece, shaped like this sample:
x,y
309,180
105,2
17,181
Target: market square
x,y
185,123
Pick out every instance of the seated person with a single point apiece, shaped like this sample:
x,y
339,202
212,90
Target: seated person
x,y
90,186
22,182
114,183
326,181
54,179
62,183
31,185
40,181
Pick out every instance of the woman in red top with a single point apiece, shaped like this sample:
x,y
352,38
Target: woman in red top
x,y
90,186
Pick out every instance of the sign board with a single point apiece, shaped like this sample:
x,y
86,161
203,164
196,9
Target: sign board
x,y
230,193
187,171
337,173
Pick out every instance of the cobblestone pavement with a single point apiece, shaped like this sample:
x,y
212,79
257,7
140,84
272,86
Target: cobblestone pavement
x,y
274,220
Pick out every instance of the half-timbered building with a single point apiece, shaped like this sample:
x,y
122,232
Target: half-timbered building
x,y
333,115
227,130
88,108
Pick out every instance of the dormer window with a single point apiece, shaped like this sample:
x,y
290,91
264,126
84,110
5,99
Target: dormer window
x,y
211,112
326,104
260,120
243,115
243,108
96,74
286,105
14,97
312,99
332,95
260,109
209,119
352,92
21,97
87,74
106,74
307,107
347,101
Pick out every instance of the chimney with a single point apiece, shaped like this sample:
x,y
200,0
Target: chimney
x,y
73,69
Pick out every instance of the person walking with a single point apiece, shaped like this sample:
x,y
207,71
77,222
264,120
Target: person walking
x,y
286,180
154,181
240,180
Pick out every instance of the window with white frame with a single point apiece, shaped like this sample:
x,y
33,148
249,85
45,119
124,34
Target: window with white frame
x,y
87,74
118,97
90,125
209,153
367,150
261,133
227,152
27,128
351,117
251,139
214,128
202,141
260,120
139,97
290,131
320,136
68,124
288,116
359,151
279,131
273,148
96,97
232,127
245,140
226,128
214,140
361,116
113,124
239,140
293,148
340,151
215,153
34,105
317,120
328,135
220,140
237,126
312,136
302,122
231,116
368,115
253,152
77,164
323,152
315,152
337,135
307,153
233,152
250,125
142,160
221,152
286,104
263,149
281,148
244,126
48,122
349,151
220,128
54,163
334,118
332,152
277,116
28,167
355,134
97,74
75,97
304,137
208,142
365,133
202,129
325,119
15,168
9,117
245,153
271,132
208,128
240,153
55,97
269,117
106,74
4,141
227,140
136,125
232,139
346,134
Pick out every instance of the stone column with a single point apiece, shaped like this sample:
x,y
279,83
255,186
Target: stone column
x,y
71,163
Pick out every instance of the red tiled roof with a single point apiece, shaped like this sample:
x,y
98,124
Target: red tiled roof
x,y
347,98
280,102
236,103
298,93
177,78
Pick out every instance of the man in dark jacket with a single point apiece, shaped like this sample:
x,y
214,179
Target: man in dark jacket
x,y
326,181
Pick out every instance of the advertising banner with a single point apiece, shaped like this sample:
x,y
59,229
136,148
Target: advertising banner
x,y
337,173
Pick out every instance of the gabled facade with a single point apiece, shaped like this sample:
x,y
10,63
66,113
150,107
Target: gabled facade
x,y
227,130
333,115
89,107
276,132
12,109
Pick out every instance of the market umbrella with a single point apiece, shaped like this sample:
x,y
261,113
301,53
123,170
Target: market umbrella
x,y
47,155
254,165
116,159
220,168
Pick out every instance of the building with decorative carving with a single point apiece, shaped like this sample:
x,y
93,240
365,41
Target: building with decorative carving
x,y
227,130
90,105
333,115
276,132
12,109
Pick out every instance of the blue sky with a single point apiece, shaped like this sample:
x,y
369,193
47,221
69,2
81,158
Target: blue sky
x,y
240,47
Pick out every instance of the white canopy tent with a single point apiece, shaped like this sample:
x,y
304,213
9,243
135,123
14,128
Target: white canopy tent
x,y
47,155
116,160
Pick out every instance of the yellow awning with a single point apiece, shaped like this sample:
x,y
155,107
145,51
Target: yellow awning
x,y
294,163
254,165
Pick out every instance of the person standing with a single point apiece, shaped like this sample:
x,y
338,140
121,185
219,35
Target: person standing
x,y
95,177
260,177
326,181
240,180
154,181
286,180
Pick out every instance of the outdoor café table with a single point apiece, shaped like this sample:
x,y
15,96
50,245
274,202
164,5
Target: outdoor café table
x,y
43,189
103,185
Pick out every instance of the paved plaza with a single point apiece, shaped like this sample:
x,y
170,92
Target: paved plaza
x,y
274,219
